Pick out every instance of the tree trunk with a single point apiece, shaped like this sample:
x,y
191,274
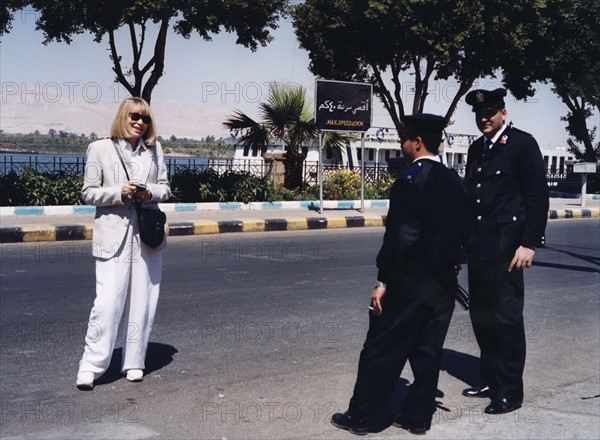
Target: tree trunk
x,y
293,169
158,60
577,126
156,63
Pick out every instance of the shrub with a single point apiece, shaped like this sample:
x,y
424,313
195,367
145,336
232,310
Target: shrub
x,y
31,188
243,186
66,190
10,193
341,185
208,186
281,193
190,186
380,189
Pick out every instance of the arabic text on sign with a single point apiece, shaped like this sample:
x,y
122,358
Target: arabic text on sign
x,y
331,106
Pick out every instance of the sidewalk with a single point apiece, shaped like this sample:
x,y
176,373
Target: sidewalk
x,y
60,223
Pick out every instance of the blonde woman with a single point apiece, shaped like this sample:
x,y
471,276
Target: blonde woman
x,y
127,271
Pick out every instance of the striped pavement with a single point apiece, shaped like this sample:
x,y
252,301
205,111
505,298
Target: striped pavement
x,y
63,223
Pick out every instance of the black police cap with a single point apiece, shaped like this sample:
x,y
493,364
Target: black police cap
x,y
481,99
425,122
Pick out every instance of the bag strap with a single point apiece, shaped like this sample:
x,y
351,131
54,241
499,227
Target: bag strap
x,y
137,204
120,157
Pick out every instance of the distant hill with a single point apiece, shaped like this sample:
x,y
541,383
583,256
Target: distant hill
x,y
28,113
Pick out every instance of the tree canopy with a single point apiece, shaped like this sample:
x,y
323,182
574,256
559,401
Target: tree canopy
x,y
61,20
567,55
7,10
573,68
456,40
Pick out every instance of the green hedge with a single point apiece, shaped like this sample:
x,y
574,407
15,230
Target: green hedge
x,y
31,188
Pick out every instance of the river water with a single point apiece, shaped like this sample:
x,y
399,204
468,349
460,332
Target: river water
x,y
74,163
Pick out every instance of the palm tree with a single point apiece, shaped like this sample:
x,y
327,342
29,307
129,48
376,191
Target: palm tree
x,y
287,116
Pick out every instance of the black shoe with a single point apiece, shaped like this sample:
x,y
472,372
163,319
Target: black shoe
x,y
344,421
502,406
480,391
416,431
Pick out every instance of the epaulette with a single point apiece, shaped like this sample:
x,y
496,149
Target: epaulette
x,y
518,130
414,170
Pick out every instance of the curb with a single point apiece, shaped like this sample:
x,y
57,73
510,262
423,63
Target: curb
x,y
17,211
74,210
573,213
22,234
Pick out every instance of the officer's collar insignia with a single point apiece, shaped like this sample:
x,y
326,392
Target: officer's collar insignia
x,y
479,97
503,139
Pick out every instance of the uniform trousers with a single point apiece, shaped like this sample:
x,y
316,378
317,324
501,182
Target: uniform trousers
x,y
416,314
497,299
128,281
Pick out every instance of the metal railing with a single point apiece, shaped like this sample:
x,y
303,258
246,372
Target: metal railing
x,y
219,166
373,172
71,165
43,164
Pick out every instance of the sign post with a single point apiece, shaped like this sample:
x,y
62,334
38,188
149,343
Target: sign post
x,y
584,168
343,106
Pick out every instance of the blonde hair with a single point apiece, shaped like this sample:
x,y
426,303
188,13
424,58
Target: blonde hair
x,y
121,127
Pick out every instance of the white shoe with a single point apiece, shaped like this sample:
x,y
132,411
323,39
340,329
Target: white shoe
x,y
134,375
85,381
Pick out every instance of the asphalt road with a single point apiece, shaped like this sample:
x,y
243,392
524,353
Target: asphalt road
x,y
257,335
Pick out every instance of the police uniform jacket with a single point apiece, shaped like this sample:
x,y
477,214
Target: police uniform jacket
x,y
509,195
426,223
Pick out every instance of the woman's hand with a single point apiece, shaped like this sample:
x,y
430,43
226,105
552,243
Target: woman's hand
x,y
128,189
143,195
132,190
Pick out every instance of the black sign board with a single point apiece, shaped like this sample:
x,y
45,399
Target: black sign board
x,y
343,106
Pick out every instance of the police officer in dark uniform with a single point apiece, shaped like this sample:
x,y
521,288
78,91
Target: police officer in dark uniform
x,y
413,299
506,180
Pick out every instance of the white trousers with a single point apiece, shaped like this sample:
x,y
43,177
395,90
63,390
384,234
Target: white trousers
x,y
129,281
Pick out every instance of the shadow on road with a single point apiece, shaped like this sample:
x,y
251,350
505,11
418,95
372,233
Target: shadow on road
x,y
157,357
587,258
566,267
464,367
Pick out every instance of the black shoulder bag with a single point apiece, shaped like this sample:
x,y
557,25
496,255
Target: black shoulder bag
x,y
151,222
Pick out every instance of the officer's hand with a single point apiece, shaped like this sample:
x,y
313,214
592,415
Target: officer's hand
x,y
523,258
376,299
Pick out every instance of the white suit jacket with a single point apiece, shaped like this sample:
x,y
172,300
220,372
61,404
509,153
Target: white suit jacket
x,y
104,177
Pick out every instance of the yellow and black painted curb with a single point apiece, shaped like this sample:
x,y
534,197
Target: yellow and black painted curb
x,y
19,234
573,213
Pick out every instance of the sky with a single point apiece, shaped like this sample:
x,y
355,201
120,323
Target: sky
x,y
72,88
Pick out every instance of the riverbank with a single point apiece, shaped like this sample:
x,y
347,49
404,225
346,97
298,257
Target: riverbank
x,y
172,149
